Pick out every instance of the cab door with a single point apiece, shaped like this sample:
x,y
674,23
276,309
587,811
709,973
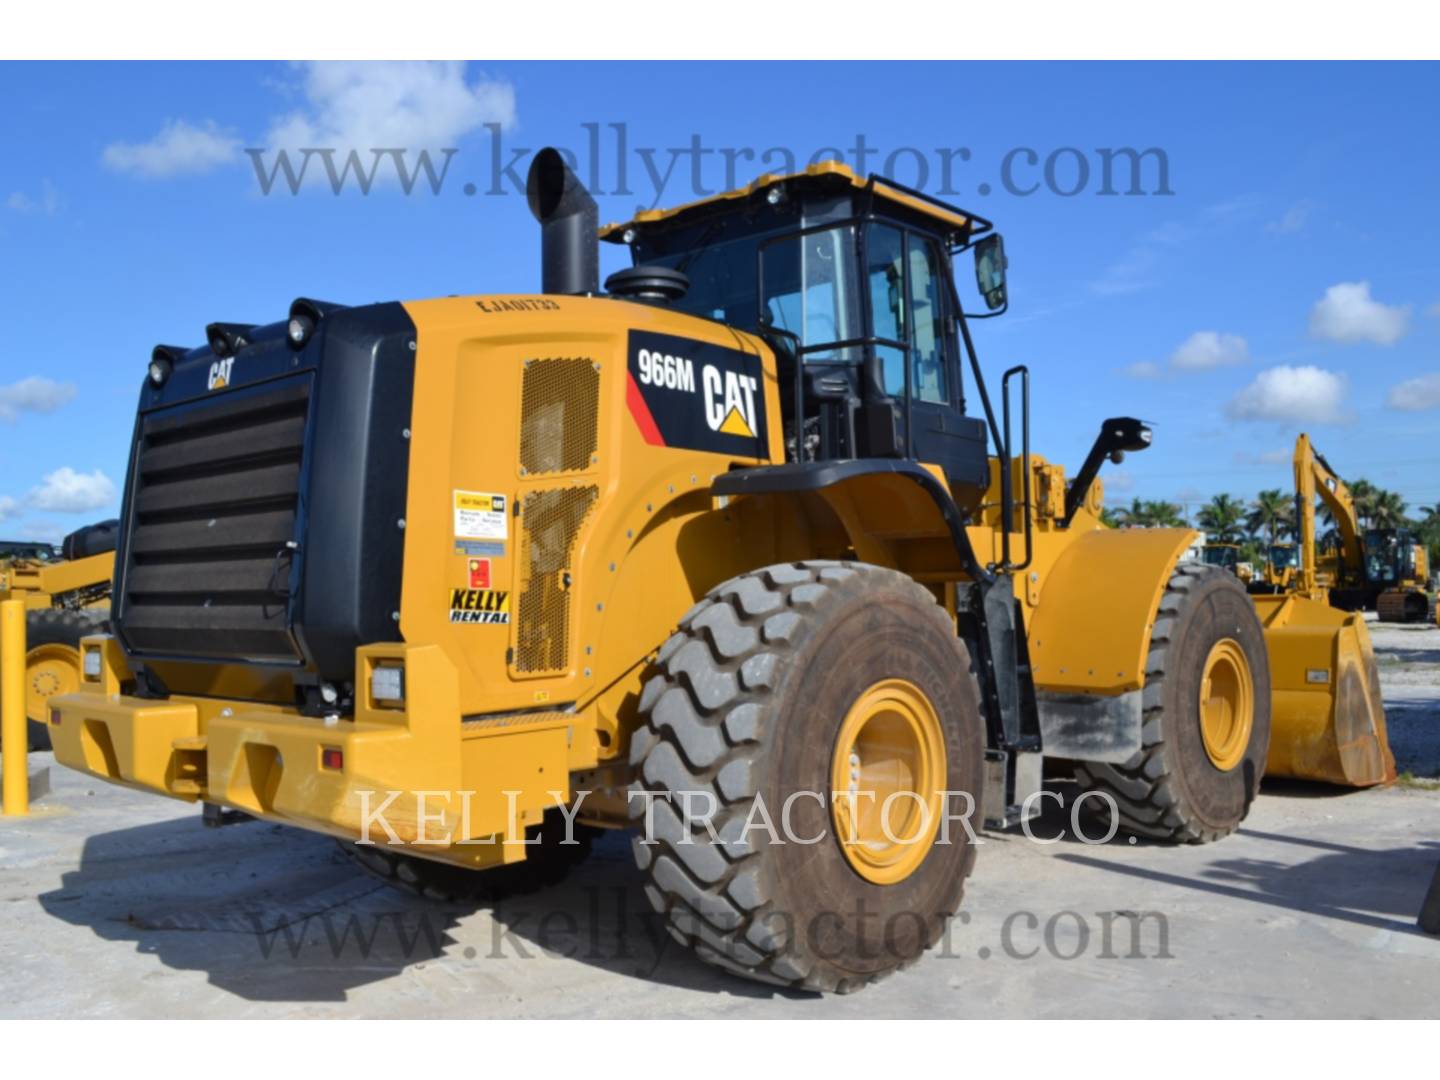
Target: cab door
x,y
908,301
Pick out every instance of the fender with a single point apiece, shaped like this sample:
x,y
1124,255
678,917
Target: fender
x,y
1090,631
830,479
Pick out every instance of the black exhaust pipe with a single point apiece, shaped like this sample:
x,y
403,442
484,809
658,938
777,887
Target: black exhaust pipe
x,y
569,226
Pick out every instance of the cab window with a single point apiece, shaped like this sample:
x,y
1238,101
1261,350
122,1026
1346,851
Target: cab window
x,y
889,263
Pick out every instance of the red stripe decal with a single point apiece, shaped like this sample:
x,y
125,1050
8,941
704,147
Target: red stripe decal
x,y
641,412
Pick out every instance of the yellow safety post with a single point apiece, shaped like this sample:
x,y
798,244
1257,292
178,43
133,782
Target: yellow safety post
x,y
13,729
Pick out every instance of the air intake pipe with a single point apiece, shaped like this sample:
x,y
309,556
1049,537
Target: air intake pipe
x,y
569,226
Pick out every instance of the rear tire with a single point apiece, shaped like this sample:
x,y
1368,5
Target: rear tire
x,y
52,662
546,863
755,694
1173,789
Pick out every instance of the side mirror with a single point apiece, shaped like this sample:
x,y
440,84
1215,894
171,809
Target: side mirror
x,y
990,264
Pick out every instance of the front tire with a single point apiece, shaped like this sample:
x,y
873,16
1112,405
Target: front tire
x,y
1206,716
779,686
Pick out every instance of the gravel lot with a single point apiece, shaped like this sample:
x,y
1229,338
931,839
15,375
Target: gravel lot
x,y
119,904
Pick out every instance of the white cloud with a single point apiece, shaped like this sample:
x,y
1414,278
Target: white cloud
x,y
1415,395
1143,369
68,491
1119,480
1293,220
1199,352
1292,394
47,203
411,105
34,394
1209,349
46,532
179,148
9,508
1433,310
1347,313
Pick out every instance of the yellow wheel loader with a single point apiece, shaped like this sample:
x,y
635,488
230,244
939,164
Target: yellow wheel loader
x,y
67,596
739,553
1328,719
1282,563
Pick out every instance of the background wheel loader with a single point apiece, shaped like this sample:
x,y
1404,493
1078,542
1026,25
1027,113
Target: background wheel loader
x,y
67,596
743,539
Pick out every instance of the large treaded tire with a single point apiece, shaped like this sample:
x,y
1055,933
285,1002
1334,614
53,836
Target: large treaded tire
x,y
545,864
58,626
1170,789
746,708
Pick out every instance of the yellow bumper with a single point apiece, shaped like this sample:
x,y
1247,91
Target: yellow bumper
x,y
417,774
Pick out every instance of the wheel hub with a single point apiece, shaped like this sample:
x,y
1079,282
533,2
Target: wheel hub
x,y
887,781
1227,704
51,670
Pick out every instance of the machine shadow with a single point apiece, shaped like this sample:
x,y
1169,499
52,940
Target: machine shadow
x,y
1382,889
274,914
600,917
268,913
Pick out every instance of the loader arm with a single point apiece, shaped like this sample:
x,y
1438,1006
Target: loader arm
x,y
1314,476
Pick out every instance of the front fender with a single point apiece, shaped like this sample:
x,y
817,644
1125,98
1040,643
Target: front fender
x,y
1089,633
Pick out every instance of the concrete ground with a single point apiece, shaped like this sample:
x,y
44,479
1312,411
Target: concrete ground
x,y
120,904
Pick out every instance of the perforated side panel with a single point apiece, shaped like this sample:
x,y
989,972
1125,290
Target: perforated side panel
x,y
559,402
549,522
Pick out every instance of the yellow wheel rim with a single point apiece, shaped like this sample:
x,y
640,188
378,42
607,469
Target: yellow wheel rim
x,y
49,670
887,779
1227,704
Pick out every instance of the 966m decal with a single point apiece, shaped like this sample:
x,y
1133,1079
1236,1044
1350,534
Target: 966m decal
x,y
693,395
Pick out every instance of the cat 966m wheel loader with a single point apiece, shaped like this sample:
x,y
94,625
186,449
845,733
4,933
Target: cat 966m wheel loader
x,y
739,540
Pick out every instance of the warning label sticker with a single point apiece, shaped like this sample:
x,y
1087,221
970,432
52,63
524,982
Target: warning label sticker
x,y
480,515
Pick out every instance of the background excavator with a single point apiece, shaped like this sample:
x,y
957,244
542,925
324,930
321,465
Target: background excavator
x,y
1328,720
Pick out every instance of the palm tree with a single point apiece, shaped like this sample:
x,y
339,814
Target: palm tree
x,y
1150,514
1362,496
1272,512
1222,518
1387,510
1167,515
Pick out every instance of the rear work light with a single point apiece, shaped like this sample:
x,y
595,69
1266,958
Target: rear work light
x,y
387,685
91,665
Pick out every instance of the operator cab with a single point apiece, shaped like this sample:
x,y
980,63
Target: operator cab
x,y
849,281
1389,556
1283,557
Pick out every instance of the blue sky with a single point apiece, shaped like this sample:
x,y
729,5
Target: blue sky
x,y
1287,283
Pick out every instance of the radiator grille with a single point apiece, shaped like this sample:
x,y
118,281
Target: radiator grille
x,y
213,508
559,403
550,523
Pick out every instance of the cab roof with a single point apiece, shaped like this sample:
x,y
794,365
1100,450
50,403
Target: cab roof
x,y
821,178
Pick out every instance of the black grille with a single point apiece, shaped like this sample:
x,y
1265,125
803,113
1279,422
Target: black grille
x,y
212,516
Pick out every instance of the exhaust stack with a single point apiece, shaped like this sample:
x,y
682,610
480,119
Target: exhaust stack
x,y
569,226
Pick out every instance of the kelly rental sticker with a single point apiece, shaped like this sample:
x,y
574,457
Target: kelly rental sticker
x,y
486,606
